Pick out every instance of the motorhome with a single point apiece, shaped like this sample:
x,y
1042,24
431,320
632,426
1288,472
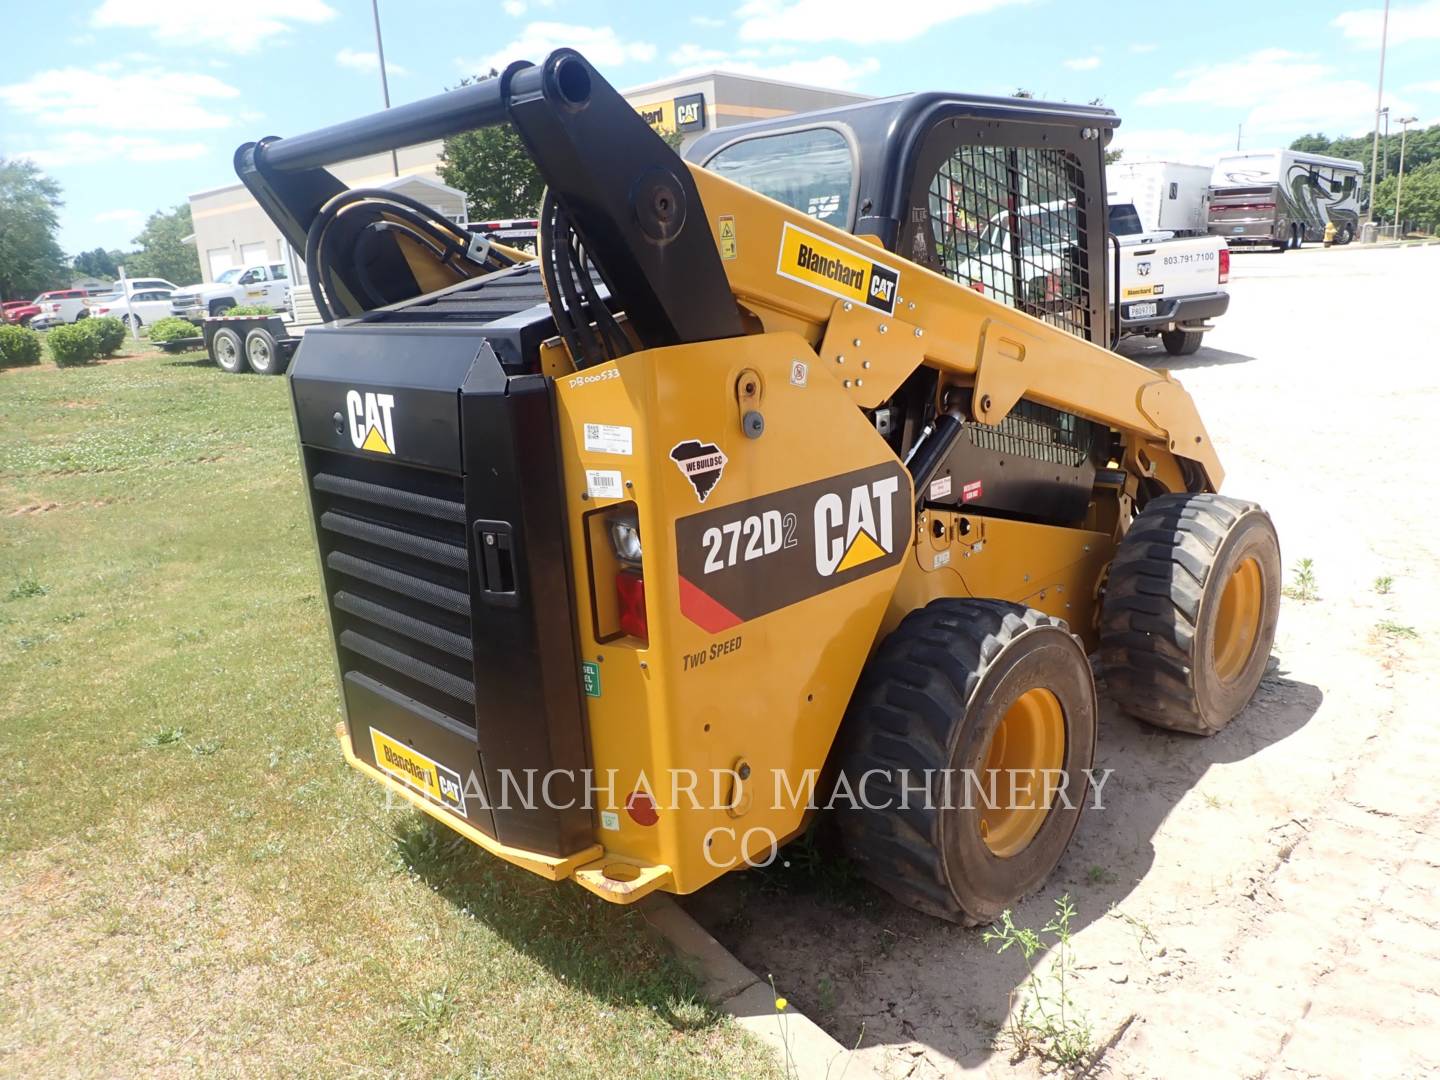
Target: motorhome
x,y
1284,198
1169,196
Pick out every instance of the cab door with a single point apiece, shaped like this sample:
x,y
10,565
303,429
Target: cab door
x,y
1017,211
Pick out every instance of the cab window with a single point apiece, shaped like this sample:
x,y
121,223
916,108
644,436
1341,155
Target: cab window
x,y
811,171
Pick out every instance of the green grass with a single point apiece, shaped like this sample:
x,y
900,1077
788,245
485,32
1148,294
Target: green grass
x,y
190,879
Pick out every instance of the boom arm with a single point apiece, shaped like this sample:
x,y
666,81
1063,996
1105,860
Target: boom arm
x,y
1005,353
678,246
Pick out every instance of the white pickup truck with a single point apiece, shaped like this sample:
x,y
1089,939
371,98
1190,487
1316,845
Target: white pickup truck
x,y
266,284
1167,287
1170,287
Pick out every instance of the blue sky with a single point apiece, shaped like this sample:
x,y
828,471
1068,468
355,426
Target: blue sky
x,y
133,104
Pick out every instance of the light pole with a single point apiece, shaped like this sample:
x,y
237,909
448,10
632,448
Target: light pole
x,y
1385,161
1404,122
1379,96
385,84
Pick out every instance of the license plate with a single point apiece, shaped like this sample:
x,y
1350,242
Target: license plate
x,y
1142,311
1238,229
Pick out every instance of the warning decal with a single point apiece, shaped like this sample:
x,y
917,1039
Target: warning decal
x,y
814,261
742,561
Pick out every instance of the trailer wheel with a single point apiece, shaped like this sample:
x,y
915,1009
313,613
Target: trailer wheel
x,y
1182,342
1189,613
966,700
263,353
227,351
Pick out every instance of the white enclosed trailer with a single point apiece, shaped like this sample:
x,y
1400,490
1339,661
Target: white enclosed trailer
x,y
1168,195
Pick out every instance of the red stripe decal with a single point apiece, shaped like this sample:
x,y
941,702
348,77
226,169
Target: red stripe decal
x,y
704,610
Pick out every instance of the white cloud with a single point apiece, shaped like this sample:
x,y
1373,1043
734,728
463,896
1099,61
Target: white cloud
x,y
152,100
1276,93
516,8
357,60
186,22
1417,23
708,22
863,22
830,71
1083,63
85,148
132,216
1172,144
1143,47
600,45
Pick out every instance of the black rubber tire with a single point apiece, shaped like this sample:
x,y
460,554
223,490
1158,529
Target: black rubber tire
x,y
1299,240
228,351
1162,598
139,322
1346,234
1182,342
274,361
219,307
930,699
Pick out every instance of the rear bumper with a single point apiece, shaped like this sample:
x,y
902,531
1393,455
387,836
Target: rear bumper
x,y
620,881
1176,312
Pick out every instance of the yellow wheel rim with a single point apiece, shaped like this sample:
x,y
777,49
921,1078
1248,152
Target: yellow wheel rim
x,y
1021,772
1237,625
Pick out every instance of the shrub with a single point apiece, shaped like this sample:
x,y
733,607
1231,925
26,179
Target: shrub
x,y
109,334
73,344
249,309
172,328
18,346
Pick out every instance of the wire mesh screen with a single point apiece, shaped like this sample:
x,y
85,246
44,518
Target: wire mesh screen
x,y
1038,432
1010,222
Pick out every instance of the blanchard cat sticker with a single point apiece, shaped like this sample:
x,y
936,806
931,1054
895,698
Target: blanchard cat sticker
x,y
701,463
745,560
815,261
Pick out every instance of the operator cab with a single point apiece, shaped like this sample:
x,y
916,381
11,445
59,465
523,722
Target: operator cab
x,y
1006,195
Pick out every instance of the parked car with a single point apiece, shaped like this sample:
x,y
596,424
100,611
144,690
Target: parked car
x,y
19,312
262,283
146,306
65,305
1169,286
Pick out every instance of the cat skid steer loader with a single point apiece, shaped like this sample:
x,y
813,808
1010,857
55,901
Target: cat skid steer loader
x,y
746,479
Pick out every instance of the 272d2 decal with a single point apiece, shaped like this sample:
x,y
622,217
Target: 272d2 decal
x,y
745,560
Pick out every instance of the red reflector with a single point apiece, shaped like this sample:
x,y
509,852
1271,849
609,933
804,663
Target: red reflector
x,y
1224,265
630,592
641,808
978,286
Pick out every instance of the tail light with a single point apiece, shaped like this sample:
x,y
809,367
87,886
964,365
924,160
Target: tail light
x,y
1224,265
630,593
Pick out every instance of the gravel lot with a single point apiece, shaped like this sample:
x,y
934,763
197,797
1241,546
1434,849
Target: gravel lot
x,y
1261,903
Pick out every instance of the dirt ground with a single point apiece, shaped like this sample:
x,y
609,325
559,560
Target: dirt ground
x,y
1261,903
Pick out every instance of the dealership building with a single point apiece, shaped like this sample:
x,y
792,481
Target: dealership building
x,y
231,230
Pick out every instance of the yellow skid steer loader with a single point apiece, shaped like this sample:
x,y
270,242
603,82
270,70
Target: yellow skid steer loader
x,y
794,476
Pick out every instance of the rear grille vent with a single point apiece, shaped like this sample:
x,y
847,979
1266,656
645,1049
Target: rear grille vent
x,y
392,538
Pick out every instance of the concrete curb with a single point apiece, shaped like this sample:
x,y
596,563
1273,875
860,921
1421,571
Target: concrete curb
x,y
805,1051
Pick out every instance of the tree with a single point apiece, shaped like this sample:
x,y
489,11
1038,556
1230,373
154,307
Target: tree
x,y
98,263
164,251
1312,144
30,257
494,170
1419,199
